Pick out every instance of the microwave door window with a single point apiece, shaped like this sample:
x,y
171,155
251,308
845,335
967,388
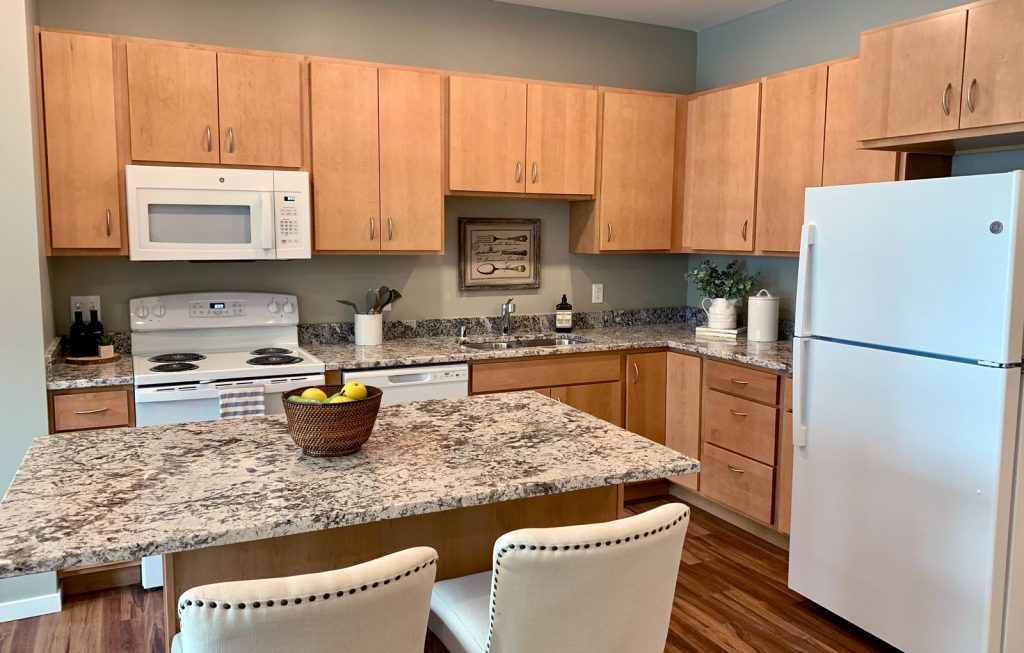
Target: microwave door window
x,y
201,224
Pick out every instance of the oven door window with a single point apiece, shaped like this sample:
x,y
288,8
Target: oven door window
x,y
219,224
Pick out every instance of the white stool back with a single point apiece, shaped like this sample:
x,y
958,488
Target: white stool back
x,y
378,606
593,588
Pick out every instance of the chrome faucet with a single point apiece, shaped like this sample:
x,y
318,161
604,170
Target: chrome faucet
x,y
505,324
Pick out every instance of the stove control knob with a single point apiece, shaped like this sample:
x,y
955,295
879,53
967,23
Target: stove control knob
x,y
288,307
141,311
272,307
159,311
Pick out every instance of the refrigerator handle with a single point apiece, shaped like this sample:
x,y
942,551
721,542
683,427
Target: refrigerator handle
x,y
800,351
803,282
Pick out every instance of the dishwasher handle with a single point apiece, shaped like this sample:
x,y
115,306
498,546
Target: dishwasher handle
x,y
409,379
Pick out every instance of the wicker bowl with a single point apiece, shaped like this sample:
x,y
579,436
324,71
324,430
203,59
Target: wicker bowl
x,y
332,429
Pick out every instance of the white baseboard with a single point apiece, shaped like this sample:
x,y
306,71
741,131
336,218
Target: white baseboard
x,y
34,606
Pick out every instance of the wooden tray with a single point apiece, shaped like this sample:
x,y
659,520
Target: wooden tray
x,y
92,360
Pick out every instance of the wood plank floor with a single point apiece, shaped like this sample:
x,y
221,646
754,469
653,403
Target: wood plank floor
x,y
731,597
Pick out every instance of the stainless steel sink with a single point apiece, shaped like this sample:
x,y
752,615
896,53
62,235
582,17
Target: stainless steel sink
x,y
553,341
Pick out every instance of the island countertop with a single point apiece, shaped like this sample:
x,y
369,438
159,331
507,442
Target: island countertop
x,y
119,494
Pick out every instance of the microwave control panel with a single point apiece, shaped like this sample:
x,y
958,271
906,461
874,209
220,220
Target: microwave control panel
x,y
291,218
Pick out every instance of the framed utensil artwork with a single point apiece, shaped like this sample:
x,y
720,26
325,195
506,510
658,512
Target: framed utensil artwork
x,y
499,253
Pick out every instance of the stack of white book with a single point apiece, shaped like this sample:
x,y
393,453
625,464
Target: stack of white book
x,y
723,334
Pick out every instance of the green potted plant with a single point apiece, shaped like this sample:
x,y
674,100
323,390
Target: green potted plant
x,y
721,291
106,345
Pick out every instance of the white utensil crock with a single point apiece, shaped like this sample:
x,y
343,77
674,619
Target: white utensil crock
x,y
721,312
369,329
763,317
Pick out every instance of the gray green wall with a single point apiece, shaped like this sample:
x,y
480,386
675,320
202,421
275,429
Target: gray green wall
x,y
801,33
467,35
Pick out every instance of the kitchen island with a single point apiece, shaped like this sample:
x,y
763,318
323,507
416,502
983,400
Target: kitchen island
x,y
237,499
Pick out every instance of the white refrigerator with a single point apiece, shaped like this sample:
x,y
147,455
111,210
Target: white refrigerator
x,y
906,411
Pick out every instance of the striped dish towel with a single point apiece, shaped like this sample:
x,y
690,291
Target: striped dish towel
x,y
244,401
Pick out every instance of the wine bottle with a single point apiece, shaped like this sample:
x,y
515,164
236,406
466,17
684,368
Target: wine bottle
x,y
78,338
94,329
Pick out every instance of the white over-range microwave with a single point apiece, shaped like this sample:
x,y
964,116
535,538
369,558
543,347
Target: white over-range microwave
x,y
216,214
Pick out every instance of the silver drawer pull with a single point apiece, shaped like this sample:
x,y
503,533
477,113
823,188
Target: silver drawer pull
x,y
734,470
91,412
739,382
737,413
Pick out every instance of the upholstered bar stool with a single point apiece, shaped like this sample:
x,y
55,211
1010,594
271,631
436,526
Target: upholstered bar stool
x,y
380,606
596,588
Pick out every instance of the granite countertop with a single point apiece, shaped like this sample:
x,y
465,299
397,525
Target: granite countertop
x,y
120,494
775,356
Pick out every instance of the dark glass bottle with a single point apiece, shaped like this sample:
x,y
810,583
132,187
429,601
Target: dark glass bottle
x,y
563,316
95,330
80,343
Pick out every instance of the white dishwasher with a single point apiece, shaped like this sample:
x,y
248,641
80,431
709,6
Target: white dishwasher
x,y
405,384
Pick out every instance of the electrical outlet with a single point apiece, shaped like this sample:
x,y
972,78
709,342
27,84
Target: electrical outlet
x,y
86,302
597,293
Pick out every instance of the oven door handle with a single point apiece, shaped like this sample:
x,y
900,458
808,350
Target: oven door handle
x,y
209,389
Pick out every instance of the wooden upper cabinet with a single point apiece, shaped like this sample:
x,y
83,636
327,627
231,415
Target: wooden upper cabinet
x,y
844,162
645,394
260,110
486,134
994,65
411,160
561,139
637,171
911,75
172,103
721,169
789,161
82,171
346,157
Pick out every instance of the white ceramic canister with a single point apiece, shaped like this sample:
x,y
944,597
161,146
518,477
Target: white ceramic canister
x,y
763,317
369,329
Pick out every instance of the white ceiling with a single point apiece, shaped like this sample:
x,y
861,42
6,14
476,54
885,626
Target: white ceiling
x,y
686,14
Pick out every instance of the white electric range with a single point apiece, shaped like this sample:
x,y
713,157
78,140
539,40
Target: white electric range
x,y
185,348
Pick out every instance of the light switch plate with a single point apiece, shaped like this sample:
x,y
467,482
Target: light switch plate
x,y
86,302
597,293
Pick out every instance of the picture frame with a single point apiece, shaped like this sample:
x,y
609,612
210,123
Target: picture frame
x,y
499,253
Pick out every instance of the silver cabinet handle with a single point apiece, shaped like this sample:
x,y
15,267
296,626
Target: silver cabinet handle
x,y
743,231
91,412
736,470
970,95
108,224
737,413
740,382
636,374
231,140
609,232
209,139
945,98
391,229
519,171
533,173
373,228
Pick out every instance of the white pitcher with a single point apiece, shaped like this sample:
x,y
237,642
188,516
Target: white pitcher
x,y
721,312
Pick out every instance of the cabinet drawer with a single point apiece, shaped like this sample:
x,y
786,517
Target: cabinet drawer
x,y
544,372
738,482
740,425
90,410
743,381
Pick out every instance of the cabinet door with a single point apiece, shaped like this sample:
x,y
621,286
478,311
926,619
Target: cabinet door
x,y
260,110
346,191
411,161
486,134
561,139
645,395
993,68
602,400
721,169
789,161
81,141
682,409
637,171
844,162
172,104
911,76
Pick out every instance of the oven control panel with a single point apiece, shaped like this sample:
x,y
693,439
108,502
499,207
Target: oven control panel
x,y
209,309
216,308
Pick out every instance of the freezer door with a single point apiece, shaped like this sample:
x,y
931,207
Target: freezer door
x,y
902,492
927,266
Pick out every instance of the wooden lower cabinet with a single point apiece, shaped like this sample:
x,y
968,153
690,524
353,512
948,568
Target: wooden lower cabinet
x,y
94,408
682,409
645,395
784,467
738,482
602,400
740,425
